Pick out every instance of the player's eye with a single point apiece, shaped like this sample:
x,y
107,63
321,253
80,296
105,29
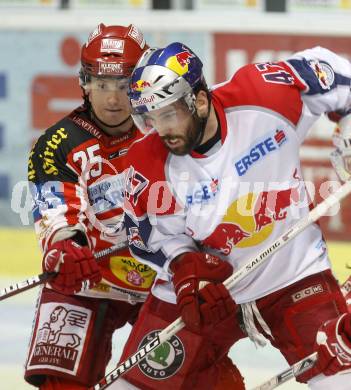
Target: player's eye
x,y
167,116
123,87
102,86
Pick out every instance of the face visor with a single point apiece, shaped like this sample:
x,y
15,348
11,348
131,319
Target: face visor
x,y
168,119
108,84
165,120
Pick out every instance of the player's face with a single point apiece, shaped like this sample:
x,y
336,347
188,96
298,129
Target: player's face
x,y
109,99
176,127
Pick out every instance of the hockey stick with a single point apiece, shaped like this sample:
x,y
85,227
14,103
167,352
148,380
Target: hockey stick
x,y
245,270
291,372
29,283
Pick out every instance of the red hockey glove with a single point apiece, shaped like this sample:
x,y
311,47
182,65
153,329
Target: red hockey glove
x,y
190,270
334,345
75,265
346,290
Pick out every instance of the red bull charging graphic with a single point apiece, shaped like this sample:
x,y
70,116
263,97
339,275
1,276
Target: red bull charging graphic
x,y
179,63
250,219
140,85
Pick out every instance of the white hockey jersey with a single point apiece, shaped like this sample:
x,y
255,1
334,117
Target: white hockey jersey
x,y
236,201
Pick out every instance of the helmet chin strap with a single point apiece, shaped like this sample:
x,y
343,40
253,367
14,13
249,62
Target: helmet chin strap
x,y
94,116
201,126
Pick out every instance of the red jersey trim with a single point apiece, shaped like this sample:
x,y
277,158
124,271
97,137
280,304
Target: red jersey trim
x,y
248,87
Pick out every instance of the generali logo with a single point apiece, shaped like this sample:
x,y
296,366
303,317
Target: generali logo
x,y
60,337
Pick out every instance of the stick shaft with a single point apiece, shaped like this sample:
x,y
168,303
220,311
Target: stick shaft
x,y
296,369
250,266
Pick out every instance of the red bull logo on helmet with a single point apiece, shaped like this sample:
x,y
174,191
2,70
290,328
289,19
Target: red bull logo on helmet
x,y
142,101
250,219
179,63
140,85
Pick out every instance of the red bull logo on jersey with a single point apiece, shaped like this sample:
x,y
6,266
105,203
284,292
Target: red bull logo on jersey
x,y
250,219
140,85
259,151
179,63
272,206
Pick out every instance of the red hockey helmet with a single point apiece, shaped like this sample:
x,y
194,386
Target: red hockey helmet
x,y
111,51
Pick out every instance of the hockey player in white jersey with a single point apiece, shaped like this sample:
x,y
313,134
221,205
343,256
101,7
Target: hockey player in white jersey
x,y
223,181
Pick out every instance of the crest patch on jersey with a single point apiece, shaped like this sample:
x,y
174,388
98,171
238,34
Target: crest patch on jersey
x,y
324,73
136,184
165,360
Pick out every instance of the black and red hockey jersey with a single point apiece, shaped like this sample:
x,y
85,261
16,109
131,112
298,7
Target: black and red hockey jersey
x,y
76,175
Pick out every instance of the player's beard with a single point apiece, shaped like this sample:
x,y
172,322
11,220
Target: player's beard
x,y
190,139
